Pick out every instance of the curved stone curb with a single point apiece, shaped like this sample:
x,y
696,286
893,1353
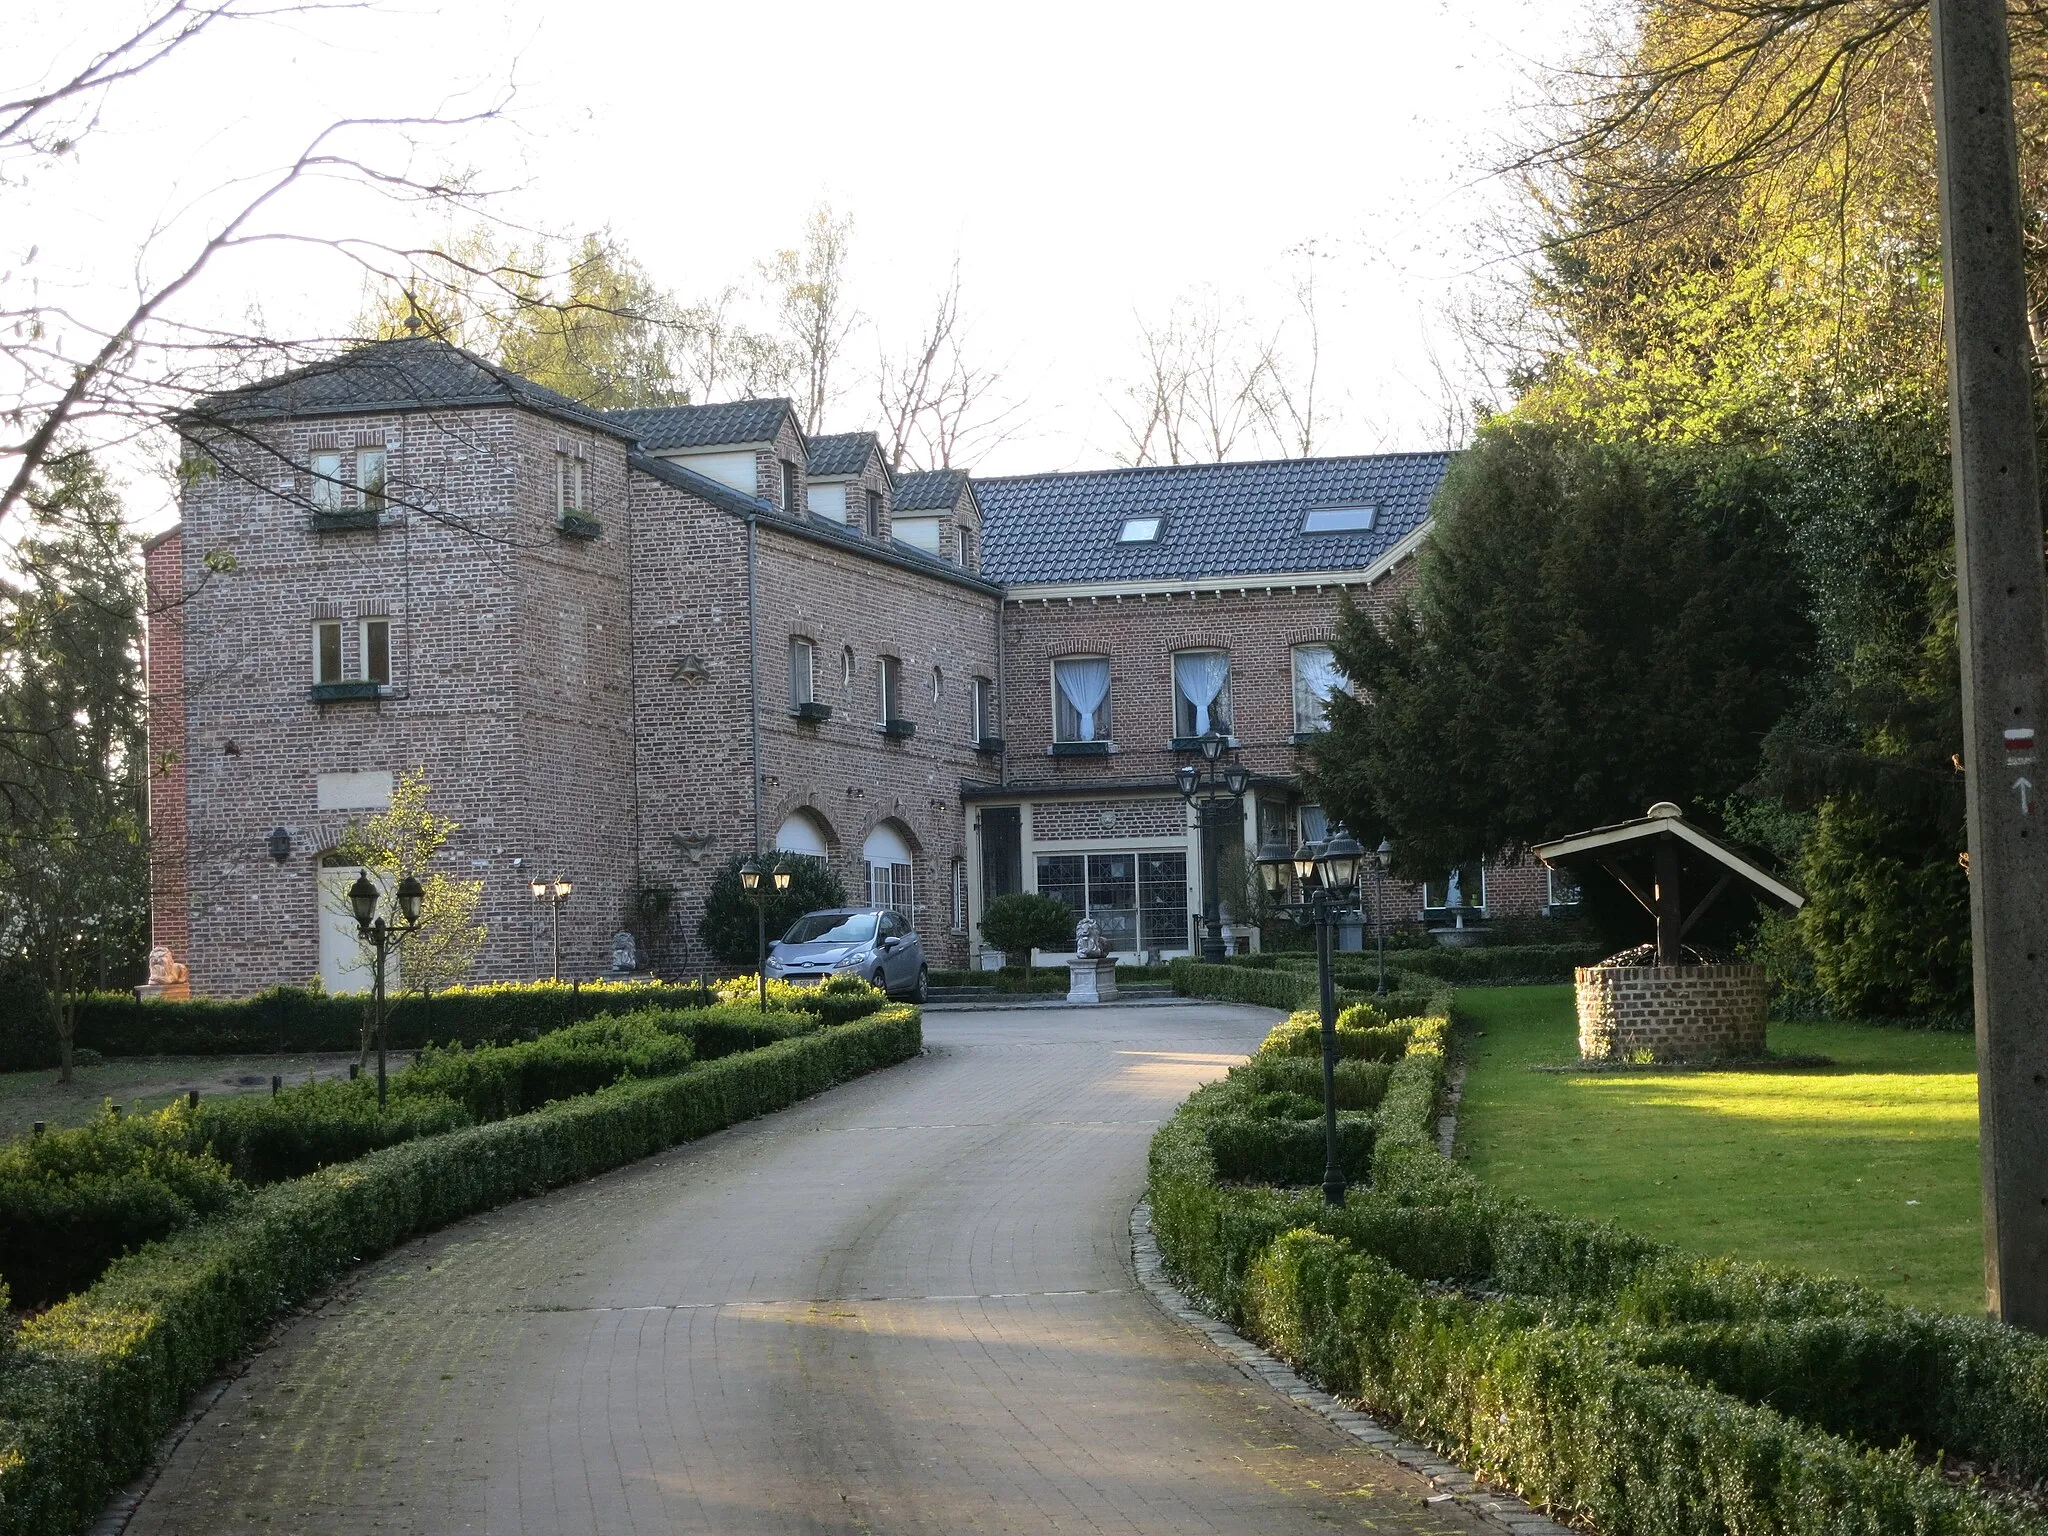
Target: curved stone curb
x,y
1453,1484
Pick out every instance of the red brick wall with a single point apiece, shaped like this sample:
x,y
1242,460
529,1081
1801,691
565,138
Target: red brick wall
x,y
695,773
509,684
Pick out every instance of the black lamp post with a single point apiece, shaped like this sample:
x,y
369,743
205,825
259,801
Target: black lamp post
x,y
556,892
1382,856
381,936
1327,873
778,875
1212,786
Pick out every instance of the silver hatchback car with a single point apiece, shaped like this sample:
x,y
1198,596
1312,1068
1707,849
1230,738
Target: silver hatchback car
x,y
874,943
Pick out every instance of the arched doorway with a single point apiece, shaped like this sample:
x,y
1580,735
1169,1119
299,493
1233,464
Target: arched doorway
x,y
888,868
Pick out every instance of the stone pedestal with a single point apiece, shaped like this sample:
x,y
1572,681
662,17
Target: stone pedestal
x,y
165,991
1091,981
1671,1012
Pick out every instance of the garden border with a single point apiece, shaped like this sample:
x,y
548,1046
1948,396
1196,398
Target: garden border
x,y
1453,1483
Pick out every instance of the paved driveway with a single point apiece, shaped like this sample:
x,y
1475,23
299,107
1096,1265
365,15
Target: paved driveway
x,y
906,1305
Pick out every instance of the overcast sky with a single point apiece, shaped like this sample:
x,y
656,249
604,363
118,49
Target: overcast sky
x,y
1087,163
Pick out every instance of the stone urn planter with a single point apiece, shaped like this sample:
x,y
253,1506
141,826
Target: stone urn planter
x,y
1671,1012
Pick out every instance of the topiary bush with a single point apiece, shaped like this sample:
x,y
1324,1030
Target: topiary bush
x,y
729,926
1024,921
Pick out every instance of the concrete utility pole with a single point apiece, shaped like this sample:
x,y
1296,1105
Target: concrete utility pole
x,y
2004,613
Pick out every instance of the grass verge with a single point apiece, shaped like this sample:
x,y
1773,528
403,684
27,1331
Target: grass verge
x,y
1865,1169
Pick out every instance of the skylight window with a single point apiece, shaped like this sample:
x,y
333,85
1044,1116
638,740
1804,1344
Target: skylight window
x,y
1140,530
1340,520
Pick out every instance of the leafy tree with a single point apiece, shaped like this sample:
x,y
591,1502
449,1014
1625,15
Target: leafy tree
x,y
404,839
1592,630
74,879
1023,921
729,927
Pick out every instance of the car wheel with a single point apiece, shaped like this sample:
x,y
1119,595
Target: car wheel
x,y
880,981
924,985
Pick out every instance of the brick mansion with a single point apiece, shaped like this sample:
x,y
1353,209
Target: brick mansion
x,y
627,646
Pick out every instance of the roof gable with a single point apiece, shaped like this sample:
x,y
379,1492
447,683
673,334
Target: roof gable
x,y
411,373
931,490
1217,519
845,455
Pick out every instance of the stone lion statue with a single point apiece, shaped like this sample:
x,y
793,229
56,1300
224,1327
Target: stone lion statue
x,y
623,956
1089,943
163,969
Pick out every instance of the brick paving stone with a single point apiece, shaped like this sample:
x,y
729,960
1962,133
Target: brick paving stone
x,y
905,1306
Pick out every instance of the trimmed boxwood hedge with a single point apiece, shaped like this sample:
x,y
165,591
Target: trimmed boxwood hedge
x,y
1284,986
94,1382
1616,1379
292,1019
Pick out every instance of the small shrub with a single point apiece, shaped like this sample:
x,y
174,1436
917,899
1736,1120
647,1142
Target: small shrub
x,y
1024,921
730,927
72,1200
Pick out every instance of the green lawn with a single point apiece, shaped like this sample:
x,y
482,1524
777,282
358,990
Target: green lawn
x,y
1867,1168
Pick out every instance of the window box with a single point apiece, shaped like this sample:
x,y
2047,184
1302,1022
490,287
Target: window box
x,y
344,522
813,711
1194,743
1080,749
355,688
990,746
898,730
577,526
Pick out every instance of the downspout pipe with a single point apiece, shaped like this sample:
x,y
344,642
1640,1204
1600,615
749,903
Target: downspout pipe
x,y
754,667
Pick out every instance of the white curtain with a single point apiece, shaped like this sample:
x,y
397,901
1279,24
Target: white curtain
x,y
1201,675
1084,683
1315,678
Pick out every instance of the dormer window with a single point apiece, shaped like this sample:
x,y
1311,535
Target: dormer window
x,y
874,514
1141,530
788,485
1340,520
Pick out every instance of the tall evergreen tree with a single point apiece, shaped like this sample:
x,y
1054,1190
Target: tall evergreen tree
x,y
1593,629
74,882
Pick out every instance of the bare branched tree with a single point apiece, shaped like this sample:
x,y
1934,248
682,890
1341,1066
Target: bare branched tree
x,y
939,408
816,314
1289,374
1197,394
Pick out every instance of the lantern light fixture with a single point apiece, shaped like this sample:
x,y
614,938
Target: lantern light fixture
x,y
1339,861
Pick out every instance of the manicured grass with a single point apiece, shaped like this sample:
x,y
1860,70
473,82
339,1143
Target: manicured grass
x,y
1866,1169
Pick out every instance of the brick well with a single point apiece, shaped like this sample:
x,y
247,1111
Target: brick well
x,y
1670,1012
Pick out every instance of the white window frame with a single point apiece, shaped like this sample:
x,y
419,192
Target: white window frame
x,y
888,687
363,628
959,896
964,543
373,470
1303,726
1105,719
872,507
327,482
321,627
803,671
1227,727
981,696
1550,896
1443,881
938,685
846,673
790,488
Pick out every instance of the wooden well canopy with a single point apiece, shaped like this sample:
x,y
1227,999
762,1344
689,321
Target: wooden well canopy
x,y
1653,858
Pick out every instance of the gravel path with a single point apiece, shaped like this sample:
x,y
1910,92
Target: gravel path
x,y
904,1306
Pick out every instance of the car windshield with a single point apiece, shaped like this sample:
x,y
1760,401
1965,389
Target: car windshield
x,y
831,928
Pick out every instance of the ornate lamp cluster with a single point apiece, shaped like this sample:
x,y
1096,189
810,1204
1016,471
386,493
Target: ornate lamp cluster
x,y
777,873
1213,787
1327,874
381,935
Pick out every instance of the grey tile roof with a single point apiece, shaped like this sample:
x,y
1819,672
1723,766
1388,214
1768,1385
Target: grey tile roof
x,y
930,490
806,524
843,453
1220,519
660,428
409,374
